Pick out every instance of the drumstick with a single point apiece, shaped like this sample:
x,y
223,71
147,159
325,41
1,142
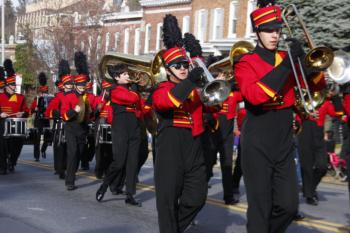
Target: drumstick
x,y
103,95
12,114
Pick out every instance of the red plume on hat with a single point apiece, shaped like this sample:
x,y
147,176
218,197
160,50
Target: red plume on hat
x,y
266,16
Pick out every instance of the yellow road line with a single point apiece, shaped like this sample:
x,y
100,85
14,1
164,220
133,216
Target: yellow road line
x,y
242,208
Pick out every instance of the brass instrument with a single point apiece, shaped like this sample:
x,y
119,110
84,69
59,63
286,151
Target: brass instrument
x,y
147,71
225,65
214,91
318,59
339,71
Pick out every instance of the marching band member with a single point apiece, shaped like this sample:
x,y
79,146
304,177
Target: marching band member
x,y
12,105
38,107
3,154
313,152
83,72
104,114
75,111
53,111
90,150
126,104
180,173
267,85
345,151
224,142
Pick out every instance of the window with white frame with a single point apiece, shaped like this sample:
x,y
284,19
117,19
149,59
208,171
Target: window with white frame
x,y
232,30
82,45
250,8
218,23
126,40
185,24
137,43
201,24
107,42
147,38
159,36
116,41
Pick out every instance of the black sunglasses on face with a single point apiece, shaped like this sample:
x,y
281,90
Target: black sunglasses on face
x,y
178,66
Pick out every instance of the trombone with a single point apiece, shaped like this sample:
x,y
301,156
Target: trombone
x,y
318,59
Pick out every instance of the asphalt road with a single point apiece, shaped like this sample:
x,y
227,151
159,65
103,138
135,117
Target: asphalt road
x,y
33,200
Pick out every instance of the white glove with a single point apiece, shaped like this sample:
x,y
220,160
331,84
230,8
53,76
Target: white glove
x,y
77,108
4,115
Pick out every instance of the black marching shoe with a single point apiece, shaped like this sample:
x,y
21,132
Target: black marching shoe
x,y
311,201
100,193
43,155
298,216
71,187
130,200
37,160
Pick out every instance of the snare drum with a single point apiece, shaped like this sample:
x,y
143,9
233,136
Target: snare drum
x,y
15,127
105,134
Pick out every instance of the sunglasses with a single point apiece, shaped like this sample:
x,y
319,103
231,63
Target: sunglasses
x,y
178,66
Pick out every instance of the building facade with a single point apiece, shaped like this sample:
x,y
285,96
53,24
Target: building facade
x,y
217,24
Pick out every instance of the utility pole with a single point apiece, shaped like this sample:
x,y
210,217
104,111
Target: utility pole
x,y
2,31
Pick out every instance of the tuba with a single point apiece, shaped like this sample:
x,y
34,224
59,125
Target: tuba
x,y
339,71
146,70
225,65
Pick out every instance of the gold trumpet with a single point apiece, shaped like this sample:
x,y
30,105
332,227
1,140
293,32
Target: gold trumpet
x,y
146,71
225,65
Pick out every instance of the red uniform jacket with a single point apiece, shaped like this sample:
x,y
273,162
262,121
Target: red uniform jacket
x,y
107,112
54,105
70,101
13,104
326,108
346,103
126,100
229,105
242,112
173,113
250,71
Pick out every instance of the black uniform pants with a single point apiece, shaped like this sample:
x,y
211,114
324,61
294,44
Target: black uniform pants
x,y
269,170
180,179
126,144
3,151
14,148
76,140
37,140
143,152
225,149
313,156
209,143
237,171
103,158
345,151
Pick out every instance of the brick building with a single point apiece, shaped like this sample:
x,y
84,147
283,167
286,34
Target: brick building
x,y
137,30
